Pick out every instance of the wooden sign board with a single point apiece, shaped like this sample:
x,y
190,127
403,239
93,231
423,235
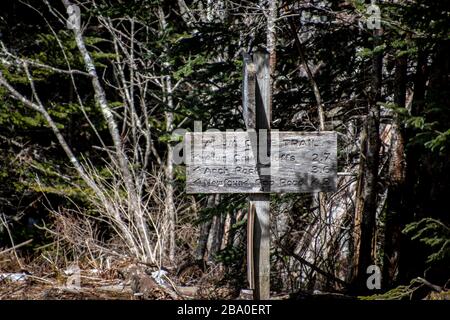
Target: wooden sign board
x,y
229,162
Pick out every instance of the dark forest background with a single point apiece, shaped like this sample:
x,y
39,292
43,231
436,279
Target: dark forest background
x,y
86,123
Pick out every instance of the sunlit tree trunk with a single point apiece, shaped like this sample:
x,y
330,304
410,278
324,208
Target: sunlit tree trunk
x,y
170,203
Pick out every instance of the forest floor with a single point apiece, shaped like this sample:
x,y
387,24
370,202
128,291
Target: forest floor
x,y
25,280
32,284
32,290
126,280
122,279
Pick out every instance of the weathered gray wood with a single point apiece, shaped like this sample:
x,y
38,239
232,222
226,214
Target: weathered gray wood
x,y
248,92
250,250
221,162
261,202
263,91
249,107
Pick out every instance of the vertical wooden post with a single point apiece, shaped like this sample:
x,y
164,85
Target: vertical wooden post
x,y
257,113
260,205
261,202
249,112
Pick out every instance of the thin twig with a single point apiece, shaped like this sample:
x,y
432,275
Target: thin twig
x,y
17,246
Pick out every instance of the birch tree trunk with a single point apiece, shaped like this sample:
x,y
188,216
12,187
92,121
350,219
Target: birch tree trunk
x,y
120,156
170,204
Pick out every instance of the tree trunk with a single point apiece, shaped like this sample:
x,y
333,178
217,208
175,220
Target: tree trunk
x,y
204,232
427,198
366,194
170,204
217,235
168,98
396,188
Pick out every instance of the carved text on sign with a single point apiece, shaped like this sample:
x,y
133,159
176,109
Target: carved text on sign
x,y
230,162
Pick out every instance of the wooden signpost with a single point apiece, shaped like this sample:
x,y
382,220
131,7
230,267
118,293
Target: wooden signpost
x,y
260,161
227,163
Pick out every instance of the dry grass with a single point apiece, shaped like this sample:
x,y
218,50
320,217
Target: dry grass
x,y
43,281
